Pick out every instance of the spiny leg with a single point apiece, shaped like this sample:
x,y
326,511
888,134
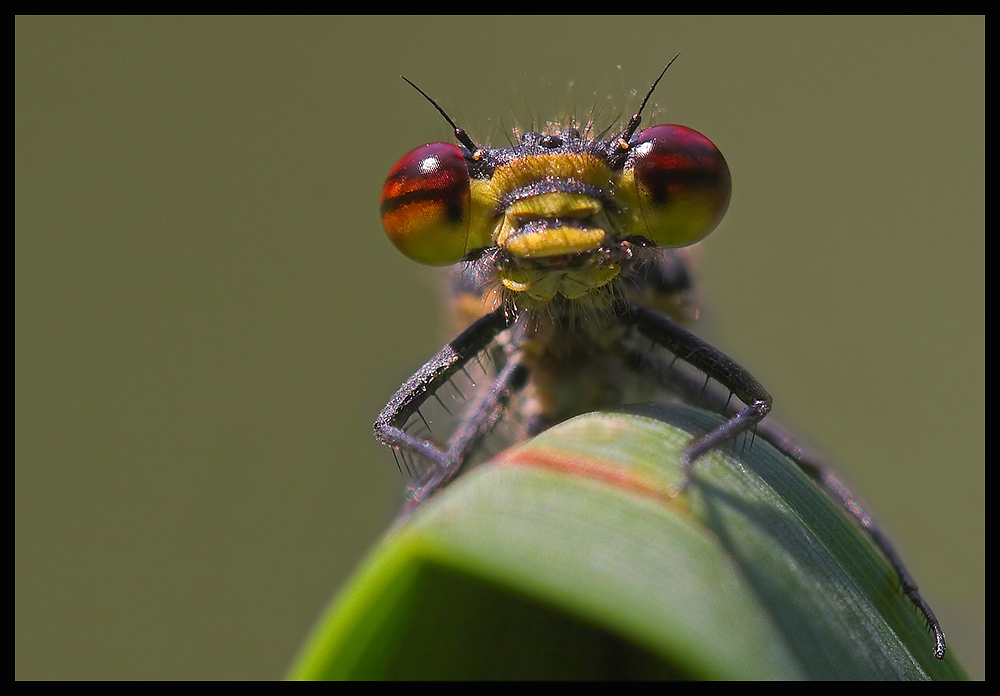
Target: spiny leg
x,y
814,468
474,425
714,364
691,387
426,381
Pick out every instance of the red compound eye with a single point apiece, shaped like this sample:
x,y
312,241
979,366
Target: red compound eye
x,y
425,204
682,184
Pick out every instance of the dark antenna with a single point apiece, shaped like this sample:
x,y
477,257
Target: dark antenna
x,y
633,123
460,134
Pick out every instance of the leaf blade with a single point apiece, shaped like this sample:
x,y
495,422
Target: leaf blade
x,y
753,574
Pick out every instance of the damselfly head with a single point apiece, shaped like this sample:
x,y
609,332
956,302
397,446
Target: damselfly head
x,y
558,214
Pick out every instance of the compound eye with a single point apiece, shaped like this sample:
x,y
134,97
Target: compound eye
x,y
426,202
682,184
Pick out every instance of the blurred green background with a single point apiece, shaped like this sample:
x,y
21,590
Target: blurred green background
x,y
208,317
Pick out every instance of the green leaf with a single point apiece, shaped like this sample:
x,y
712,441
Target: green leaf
x,y
576,555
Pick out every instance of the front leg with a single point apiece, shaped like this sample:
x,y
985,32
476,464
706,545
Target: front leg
x,y
700,354
713,363
473,428
475,424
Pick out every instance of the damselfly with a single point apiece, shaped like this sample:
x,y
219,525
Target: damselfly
x,y
570,255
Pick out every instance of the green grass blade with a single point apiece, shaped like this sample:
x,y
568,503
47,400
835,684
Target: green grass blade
x,y
573,556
